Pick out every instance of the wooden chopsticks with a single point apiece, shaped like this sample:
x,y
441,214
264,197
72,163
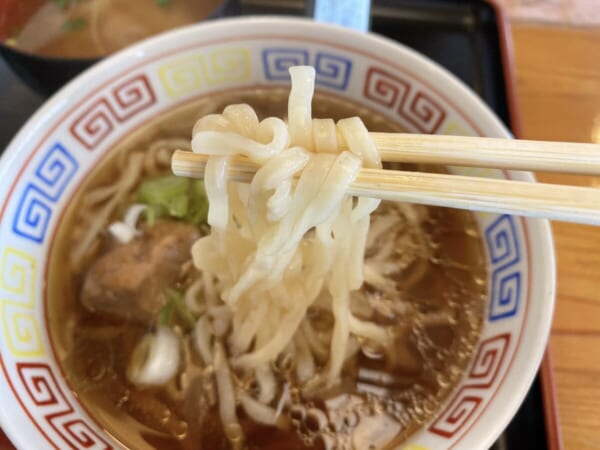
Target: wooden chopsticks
x,y
558,202
563,157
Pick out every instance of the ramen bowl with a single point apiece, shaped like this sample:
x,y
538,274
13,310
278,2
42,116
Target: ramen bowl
x,y
47,162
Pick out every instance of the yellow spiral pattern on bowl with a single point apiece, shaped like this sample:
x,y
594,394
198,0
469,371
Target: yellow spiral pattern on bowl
x,y
192,73
20,326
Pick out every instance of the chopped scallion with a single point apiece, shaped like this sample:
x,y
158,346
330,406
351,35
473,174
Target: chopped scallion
x,y
164,317
74,24
177,305
64,4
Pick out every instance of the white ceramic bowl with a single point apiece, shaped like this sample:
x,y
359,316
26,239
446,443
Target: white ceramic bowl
x,y
47,161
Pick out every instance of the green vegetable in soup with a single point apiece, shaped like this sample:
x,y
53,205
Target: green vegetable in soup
x,y
165,196
176,197
64,4
176,309
198,212
164,317
163,2
74,24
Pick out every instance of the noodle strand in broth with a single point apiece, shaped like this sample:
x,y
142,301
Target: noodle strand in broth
x,y
273,264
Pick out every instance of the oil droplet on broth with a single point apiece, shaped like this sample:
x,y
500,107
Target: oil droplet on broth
x,y
480,281
165,416
472,232
180,429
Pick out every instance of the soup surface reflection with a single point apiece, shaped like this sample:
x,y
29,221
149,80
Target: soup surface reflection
x,y
430,262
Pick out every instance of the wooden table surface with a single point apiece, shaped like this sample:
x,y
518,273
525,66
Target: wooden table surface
x,y
558,80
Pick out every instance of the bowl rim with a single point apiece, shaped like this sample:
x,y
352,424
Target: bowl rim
x,y
68,95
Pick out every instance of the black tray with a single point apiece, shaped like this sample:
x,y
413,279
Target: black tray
x,y
466,37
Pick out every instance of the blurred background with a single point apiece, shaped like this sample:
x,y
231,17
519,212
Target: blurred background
x,y
565,12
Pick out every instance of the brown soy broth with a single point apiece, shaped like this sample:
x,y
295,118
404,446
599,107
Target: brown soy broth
x,y
441,281
95,28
